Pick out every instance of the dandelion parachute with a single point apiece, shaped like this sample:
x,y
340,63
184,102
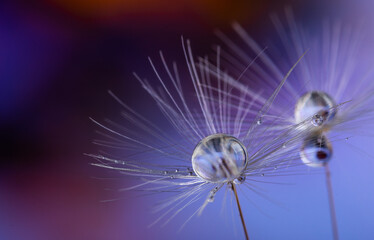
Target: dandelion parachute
x,y
213,145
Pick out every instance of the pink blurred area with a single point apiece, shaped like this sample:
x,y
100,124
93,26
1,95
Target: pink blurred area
x,y
49,204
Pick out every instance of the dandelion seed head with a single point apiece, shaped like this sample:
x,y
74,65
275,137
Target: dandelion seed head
x,y
316,150
219,158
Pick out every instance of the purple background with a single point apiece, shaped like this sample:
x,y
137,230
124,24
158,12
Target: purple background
x,y
58,58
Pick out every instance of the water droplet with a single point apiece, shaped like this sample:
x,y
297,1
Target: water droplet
x,y
212,194
240,179
318,103
259,121
219,158
316,150
262,174
317,120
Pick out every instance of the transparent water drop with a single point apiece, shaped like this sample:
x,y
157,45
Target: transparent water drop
x,y
262,175
219,158
317,120
211,198
317,104
259,121
240,179
212,194
316,150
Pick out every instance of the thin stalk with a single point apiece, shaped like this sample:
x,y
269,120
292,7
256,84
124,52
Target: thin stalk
x,y
332,203
240,211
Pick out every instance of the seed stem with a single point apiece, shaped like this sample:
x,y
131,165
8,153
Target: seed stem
x,y
240,211
332,203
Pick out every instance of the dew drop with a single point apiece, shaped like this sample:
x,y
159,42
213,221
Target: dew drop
x,y
317,104
219,158
317,120
240,179
212,194
316,150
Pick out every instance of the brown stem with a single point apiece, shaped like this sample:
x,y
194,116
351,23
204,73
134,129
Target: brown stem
x,y
332,203
240,211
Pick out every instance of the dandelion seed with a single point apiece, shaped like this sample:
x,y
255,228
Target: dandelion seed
x,y
216,146
322,88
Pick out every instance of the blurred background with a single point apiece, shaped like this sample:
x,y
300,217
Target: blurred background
x,y
58,58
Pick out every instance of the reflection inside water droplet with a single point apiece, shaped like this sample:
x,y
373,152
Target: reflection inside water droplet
x,y
316,150
317,104
219,158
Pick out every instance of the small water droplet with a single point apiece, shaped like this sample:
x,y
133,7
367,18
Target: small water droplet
x,y
284,145
212,194
262,175
165,172
317,120
176,170
259,121
239,180
275,168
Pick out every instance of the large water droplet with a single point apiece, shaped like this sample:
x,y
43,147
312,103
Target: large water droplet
x,y
219,158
